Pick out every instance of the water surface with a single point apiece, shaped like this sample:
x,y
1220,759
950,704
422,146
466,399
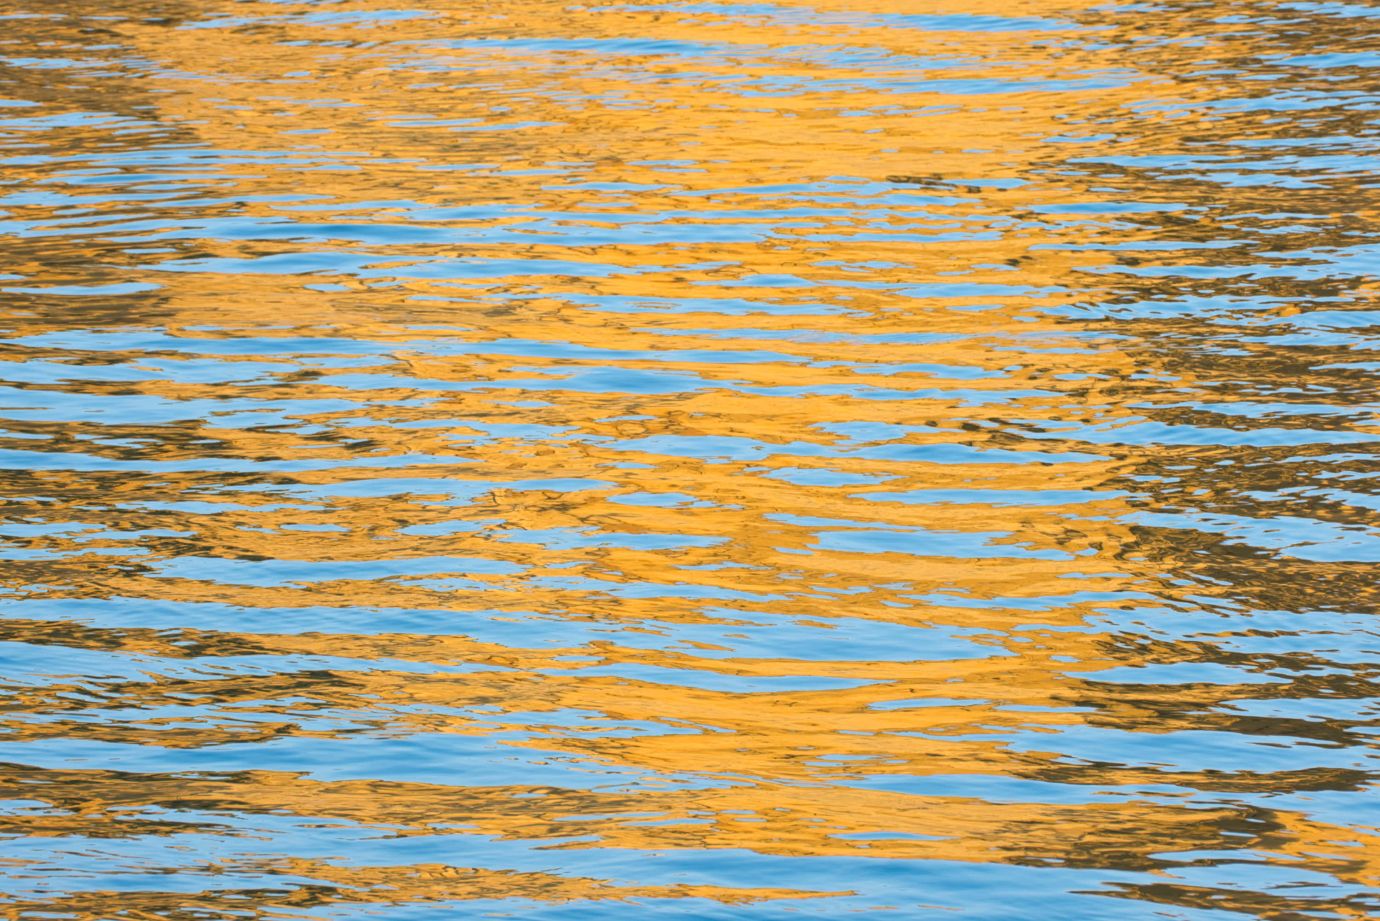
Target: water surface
x,y
689,460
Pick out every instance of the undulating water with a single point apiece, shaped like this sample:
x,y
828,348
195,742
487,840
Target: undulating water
x,y
689,460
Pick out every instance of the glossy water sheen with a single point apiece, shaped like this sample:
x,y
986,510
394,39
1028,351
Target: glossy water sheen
x,y
689,460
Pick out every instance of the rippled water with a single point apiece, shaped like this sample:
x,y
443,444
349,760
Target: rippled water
x,y
689,459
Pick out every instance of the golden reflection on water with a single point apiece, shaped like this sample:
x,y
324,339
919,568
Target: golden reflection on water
x,y
689,459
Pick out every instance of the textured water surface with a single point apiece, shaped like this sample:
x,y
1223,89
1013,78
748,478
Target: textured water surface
x,y
689,460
